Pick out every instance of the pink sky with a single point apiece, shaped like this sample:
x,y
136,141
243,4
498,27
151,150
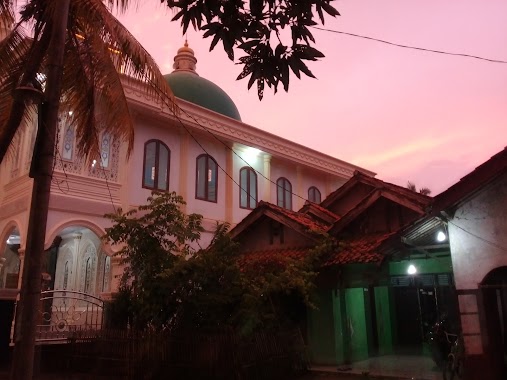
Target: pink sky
x,y
407,115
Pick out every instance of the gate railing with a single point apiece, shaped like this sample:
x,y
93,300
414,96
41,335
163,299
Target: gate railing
x,y
63,312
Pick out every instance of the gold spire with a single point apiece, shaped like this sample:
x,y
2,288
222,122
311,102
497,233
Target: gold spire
x,y
185,59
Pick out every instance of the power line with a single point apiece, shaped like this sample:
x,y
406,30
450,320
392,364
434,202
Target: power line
x,y
218,139
496,245
408,46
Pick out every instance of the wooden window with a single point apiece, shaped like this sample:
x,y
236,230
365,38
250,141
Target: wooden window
x,y
314,195
156,165
247,188
206,178
284,193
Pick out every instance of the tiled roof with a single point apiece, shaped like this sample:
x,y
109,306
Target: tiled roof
x,y
363,250
360,250
309,205
303,219
473,181
359,177
271,256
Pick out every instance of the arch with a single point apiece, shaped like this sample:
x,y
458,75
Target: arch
x,y
11,225
497,276
97,230
284,193
206,178
10,262
247,188
156,165
314,195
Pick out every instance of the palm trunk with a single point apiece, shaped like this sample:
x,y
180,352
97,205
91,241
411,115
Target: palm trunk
x,y
27,315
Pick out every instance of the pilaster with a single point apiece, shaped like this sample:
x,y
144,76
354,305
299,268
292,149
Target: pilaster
x,y
229,185
266,194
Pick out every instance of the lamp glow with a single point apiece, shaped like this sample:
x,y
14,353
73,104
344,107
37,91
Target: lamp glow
x,y
441,236
411,269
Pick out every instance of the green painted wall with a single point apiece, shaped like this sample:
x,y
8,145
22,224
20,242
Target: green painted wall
x,y
434,265
383,308
321,329
339,318
356,324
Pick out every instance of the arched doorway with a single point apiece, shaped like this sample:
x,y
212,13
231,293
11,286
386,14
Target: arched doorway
x,y
9,277
494,296
78,271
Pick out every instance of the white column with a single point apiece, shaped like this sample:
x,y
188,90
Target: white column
x,y
267,182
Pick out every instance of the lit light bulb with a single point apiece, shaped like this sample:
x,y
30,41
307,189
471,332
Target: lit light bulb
x,y
411,269
441,236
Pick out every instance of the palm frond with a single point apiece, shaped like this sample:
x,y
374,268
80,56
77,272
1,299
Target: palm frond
x,y
127,53
6,13
23,60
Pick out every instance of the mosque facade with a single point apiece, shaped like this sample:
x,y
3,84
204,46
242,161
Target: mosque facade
x,y
221,166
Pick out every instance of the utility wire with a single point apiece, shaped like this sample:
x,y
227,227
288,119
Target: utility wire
x,y
408,46
496,245
218,139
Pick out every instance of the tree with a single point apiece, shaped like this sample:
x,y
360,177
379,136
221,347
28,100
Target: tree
x,y
258,28
168,285
75,56
422,190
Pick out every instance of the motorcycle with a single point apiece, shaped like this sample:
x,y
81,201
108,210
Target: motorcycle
x,y
438,342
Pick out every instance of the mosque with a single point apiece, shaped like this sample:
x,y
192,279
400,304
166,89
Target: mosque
x,y
221,166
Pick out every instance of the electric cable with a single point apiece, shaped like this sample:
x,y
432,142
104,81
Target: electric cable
x,y
408,46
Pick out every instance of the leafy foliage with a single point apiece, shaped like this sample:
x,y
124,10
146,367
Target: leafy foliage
x,y
168,285
422,190
97,49
259,28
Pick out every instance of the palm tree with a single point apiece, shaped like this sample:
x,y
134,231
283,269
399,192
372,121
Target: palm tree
x,y
74,57
422,190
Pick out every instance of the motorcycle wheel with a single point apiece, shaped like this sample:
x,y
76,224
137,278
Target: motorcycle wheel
x,y
449,370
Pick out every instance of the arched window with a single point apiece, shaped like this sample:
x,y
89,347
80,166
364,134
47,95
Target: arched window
x,y
68,142
66,276
314,195
107,273
206,178
156,165
105,150
284,193
248,188
88,275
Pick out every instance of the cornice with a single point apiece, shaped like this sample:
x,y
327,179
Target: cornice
x,y
85,187
198,117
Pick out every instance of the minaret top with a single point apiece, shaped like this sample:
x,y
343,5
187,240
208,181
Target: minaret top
x,y
185,60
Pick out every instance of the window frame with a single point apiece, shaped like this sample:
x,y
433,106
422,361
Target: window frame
x,y
249,198
284,201
158,143
315,191
206,169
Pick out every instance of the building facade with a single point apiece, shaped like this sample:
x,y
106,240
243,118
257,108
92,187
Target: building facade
x,y
221,166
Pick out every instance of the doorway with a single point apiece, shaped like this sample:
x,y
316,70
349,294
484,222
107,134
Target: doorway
x,y
494,296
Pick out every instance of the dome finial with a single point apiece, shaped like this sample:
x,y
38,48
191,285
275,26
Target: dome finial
x,y
185,59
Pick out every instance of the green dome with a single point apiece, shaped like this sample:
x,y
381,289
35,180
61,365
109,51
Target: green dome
x,y
191,87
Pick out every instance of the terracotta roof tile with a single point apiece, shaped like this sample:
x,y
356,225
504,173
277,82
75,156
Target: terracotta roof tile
x,y
271,256
302,219
318,207
360,250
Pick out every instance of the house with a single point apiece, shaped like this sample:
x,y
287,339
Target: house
x,y
475,214
221,166
368,303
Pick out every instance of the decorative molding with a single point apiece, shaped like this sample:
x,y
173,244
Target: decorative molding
x,y
225,127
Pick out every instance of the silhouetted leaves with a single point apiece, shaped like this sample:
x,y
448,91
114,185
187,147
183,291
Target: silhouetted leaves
x,y
258,28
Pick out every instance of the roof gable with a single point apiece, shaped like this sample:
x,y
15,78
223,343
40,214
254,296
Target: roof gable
x,y
359,180
367,203
472,182
299,222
